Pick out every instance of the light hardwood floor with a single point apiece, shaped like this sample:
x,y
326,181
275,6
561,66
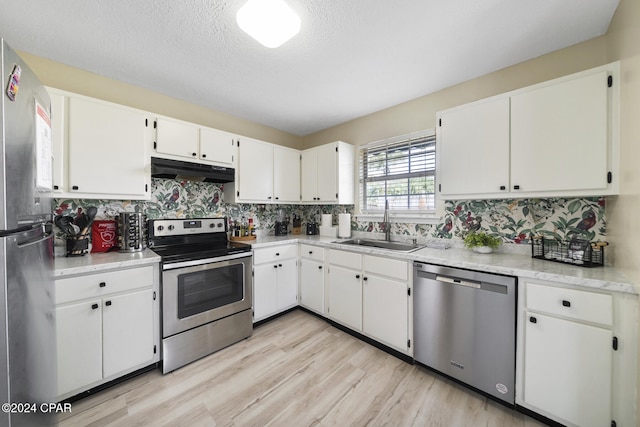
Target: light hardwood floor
x,y
296,370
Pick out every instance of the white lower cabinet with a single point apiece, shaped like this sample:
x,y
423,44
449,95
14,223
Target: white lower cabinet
x,y
107,326
574,352
275,280
370,294
312,281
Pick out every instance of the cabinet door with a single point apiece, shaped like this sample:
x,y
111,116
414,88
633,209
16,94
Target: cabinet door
x,y
265,291
345,296
312,285
327,173
286,174
256,170
217,146
473,149
128,331
559,136
287,284
309,175
58,138
568,369
107,149
177,138
385,311
79,342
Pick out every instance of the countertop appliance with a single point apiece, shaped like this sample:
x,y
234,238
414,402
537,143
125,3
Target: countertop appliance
x,y
465,327
206,288
27,318
312,228
131,227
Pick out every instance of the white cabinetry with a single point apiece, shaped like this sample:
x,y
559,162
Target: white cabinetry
x,y
312,278
275,281
557,138
179,140
327,174
266,173
370,294
386,290
101,149
107,326
570,348
345,288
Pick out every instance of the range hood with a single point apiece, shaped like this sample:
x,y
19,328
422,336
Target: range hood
x,y
177,169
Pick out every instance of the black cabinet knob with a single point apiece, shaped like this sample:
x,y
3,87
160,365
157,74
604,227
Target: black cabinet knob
x,y
279,265
310,252
204,156
365,278
108,303
275,266
194,154
357,276
277,253
102,284
533,319
94,306
516,187
502,187
75,187
319,267
566,303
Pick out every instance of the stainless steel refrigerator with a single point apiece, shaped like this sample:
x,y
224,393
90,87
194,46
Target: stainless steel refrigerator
x,y
27,321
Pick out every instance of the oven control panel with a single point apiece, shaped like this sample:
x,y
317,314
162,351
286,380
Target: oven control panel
x,y
181,227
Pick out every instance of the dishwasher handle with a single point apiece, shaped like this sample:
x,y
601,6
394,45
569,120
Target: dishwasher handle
x,y
460,282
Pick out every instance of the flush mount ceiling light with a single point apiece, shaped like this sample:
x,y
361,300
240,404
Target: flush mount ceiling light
x,y
271,22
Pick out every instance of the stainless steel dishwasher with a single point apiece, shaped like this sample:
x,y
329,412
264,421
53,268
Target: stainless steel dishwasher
x,y
465,327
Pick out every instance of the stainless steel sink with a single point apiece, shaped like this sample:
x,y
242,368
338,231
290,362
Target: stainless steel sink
x,y
394,246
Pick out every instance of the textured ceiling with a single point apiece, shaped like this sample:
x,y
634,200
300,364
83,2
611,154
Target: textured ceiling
x,y
351,58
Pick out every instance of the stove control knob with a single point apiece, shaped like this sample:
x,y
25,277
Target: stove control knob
x,y
212,225
219,225
160,227
171,227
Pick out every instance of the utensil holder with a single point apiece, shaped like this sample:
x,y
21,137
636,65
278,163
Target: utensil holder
x,y
77,245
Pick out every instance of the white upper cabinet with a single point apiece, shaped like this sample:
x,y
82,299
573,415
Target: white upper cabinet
x,y
327,174
179,140
100,149
265,173
467,135
217,146
558,138
286,174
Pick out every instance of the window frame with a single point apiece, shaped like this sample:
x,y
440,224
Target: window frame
x,y
429,136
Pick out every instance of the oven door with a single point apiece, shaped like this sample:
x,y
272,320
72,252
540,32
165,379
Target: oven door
x,y
194,295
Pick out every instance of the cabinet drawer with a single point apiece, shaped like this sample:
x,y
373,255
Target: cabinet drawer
x,y
261,256
101,284
345,259
576,304
312,252
386,267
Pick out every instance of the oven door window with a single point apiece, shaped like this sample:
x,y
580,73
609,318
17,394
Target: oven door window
x,y
206,290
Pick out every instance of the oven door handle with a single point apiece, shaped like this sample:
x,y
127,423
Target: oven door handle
x,y
191,263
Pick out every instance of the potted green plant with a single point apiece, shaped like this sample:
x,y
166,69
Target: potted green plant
x,y
481,242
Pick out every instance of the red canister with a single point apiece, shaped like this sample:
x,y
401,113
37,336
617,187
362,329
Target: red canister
x,y
103,235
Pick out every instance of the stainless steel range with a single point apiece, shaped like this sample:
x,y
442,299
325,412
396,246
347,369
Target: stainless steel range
x,y
206,288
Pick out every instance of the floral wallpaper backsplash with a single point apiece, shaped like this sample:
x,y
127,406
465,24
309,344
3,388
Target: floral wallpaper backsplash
x,y
513,220
510,219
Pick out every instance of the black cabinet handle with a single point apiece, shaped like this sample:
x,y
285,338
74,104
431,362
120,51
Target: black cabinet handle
x,y
502,187
310,252
275,266
194,154
108,303
94,306
516,187
319,267
279,265
277,198
75,187
102,284
566,303
365,278
55,187
277,253
533,319
357,276
204,156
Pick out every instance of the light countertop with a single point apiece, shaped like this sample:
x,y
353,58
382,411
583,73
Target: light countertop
x,y
90,263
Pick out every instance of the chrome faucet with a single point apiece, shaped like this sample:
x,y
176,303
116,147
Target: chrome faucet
x,y
387,225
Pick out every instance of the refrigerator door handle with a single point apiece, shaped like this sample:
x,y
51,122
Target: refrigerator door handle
x,y
35,235
13,232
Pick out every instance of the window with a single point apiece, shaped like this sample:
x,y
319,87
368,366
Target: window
x,y
401,170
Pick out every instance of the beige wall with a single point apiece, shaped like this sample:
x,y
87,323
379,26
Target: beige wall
x,y
420,113
64,77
